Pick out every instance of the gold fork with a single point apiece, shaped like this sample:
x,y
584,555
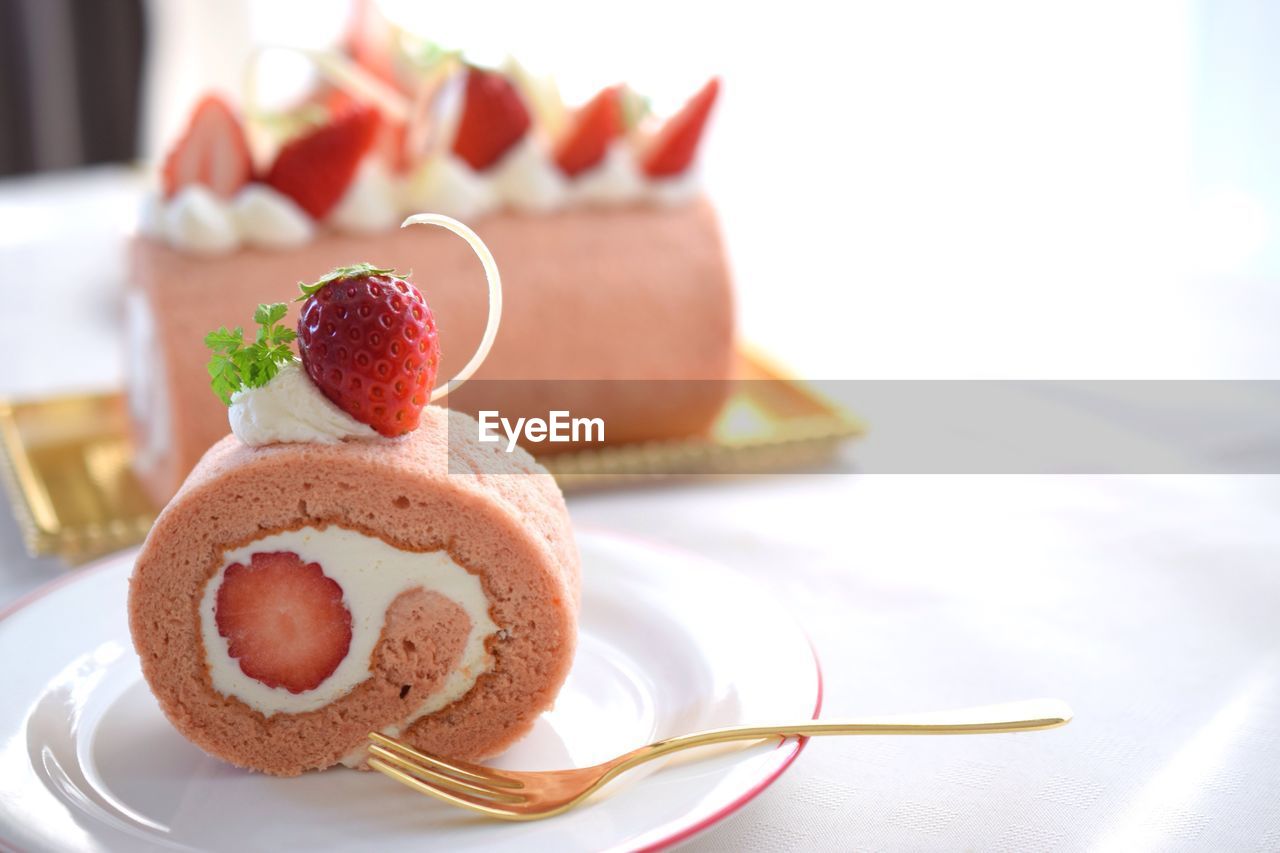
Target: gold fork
x,y
531,795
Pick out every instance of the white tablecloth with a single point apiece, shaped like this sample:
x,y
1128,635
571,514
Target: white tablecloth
x,y
1152,604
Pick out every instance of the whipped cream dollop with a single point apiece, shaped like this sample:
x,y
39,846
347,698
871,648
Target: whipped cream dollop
x,y
197,221
448,185
526,179
372,574
617,179
290,408
370,204
674,191
270,220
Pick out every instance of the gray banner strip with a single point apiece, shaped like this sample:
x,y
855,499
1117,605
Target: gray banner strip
x,y
960,427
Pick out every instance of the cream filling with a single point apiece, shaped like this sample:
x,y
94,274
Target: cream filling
x,y
372,574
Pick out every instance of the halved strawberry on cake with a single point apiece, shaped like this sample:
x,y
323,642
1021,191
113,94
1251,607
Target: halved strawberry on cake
x,y
613,257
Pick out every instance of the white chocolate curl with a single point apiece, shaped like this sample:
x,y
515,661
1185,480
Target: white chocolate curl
x,y
495,295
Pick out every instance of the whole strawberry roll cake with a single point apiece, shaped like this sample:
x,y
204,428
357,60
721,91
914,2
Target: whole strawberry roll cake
x,y
349,560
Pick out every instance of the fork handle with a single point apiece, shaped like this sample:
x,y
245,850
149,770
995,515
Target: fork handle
x,y
1026,716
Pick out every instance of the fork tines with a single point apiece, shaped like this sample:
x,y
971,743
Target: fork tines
x,y
464,785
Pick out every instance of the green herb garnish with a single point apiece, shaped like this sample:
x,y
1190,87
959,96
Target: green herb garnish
x,y
340,273
235,365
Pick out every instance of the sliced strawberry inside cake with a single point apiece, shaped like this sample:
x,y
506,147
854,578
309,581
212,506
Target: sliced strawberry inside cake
x,y
284,620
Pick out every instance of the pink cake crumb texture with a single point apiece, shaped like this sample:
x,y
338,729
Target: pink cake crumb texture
x,y
505,522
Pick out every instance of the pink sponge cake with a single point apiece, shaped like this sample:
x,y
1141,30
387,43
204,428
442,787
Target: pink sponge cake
x,y
352,560
617,270
438,607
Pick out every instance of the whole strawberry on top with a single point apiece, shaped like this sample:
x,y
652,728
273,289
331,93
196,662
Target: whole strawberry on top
x,y
368,341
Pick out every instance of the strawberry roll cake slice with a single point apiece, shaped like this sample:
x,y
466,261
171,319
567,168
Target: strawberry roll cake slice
x,y
350,559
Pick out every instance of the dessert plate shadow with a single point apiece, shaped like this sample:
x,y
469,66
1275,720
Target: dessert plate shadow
x,y
670,643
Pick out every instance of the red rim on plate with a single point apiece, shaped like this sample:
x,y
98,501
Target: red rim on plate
x,y
797,747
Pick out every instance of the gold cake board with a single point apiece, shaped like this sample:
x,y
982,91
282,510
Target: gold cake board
x,y
66,460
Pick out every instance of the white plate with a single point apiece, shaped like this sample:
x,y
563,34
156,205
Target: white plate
x,y
670,643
